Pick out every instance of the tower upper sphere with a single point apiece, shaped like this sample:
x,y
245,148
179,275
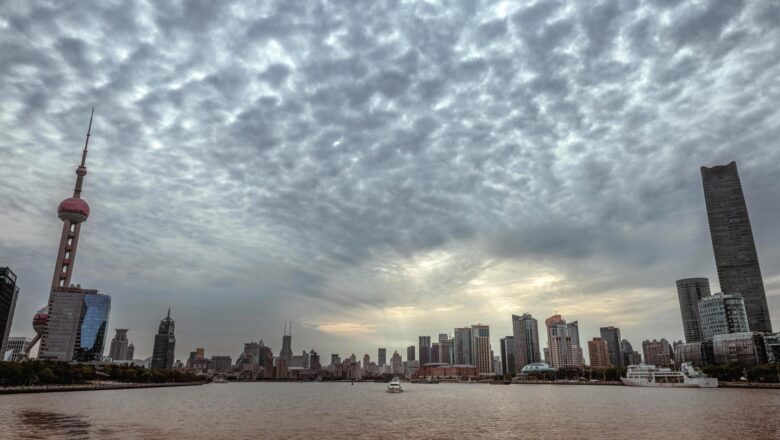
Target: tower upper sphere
x,y
73,209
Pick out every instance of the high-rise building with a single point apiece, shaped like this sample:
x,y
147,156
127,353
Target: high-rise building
x,y
630,357
435,353
722,313
9,292
130,351
77,318
573,329
525,330
382,357
599,353
446,351
481,353
164,344
658,353
119,345
396,363
286,353
314,360
690,291
732,242
463,346
425,350
560,348
611,336
508,361
335,359
410,353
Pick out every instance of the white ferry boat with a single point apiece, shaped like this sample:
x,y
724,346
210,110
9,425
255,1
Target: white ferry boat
x,y
394,386
650,376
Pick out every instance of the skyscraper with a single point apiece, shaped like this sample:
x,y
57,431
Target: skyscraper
x,y
599,353
286,352
611,336
396,363
559,345
630,357
690,291
732,242
77,318
435,353
508,361
525,330
463,346
722,313
425,350
410,353
119,346
658,353
9,292
164,344
482,354
382,357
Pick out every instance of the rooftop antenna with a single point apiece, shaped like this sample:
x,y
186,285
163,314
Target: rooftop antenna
x,y
86,143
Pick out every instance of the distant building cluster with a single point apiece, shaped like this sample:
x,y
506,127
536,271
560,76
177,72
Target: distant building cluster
x,y
731,326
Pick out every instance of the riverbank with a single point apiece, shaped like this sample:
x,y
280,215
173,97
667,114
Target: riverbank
x,y
752,385
92,386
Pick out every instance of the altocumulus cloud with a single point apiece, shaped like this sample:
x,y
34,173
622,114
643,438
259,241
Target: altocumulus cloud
x,y
379,170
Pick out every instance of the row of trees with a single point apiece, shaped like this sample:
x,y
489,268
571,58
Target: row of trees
x,y
64,373
767,373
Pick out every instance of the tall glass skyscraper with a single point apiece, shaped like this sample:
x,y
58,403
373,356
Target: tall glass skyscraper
x,y
425,350
525,330
690,291
463,346
611,336
732,242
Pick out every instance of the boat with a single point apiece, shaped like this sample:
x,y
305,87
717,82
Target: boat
x,y
219,379
649,376
395,386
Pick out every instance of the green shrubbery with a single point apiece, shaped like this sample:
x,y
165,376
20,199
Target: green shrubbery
x,y
769,373
64,373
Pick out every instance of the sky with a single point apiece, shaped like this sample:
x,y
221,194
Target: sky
x,y
374,171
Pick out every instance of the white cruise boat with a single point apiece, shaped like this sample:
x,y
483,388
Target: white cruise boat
x,y
394,386
650,376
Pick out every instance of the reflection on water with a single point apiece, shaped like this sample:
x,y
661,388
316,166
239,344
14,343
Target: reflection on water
x,y
42,424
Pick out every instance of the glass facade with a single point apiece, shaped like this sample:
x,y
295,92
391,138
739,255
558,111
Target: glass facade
x,y
93,327
722,313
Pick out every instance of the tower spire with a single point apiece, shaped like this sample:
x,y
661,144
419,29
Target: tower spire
x,y
169,312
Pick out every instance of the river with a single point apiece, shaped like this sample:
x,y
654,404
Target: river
x,y
444,411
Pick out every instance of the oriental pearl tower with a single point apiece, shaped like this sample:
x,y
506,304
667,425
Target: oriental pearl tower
x,y
73,212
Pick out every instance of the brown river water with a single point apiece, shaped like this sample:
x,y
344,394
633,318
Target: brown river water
x,y
424,411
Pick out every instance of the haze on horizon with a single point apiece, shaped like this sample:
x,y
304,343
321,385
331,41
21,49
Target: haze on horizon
x,y
380,171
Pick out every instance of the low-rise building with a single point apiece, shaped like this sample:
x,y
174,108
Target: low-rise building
x,y
745,348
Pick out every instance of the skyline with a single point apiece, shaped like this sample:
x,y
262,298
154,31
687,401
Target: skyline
x,y
324,236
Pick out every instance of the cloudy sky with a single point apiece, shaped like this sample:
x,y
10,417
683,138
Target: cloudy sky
x,y
373,171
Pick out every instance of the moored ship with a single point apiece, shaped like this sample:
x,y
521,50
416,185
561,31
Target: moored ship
x,y
650,376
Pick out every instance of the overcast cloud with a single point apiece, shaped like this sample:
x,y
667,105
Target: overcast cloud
x,y
378,170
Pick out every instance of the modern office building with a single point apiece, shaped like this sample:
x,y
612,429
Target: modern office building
x,y
598,351
560,349
508,361
410,355
630,357
335,359
425,349
119,346
732,242
446,351
695,353
772,348
16,345
482,354
658,353
382,358
164,345
722,313
689,292
314,361
746,349
9,292
463,346
221,364
435,353
611,336
286,352
525,331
